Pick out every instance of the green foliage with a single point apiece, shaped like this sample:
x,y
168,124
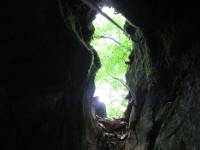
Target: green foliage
x,y
113,47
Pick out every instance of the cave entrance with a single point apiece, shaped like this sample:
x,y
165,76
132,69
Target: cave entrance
x,y
113,48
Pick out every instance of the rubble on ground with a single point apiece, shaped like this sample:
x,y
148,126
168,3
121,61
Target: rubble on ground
x,y
111,133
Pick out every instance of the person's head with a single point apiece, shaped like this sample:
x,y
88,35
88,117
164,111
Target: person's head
x,y
96,98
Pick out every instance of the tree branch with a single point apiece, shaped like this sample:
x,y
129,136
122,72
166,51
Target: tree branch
x,y
124,84
108,37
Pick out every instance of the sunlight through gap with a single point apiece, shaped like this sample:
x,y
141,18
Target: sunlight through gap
x,y
113,48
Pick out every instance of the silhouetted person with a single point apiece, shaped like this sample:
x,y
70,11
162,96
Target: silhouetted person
x,y
100,108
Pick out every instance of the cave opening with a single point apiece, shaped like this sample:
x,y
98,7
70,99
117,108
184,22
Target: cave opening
x,y
113,47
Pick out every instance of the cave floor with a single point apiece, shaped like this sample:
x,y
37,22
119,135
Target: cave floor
x,y
112,133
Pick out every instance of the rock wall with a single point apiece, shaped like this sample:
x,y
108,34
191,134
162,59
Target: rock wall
x,y
163,75
45,76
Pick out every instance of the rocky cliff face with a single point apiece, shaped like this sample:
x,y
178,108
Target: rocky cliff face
x,y
48,69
